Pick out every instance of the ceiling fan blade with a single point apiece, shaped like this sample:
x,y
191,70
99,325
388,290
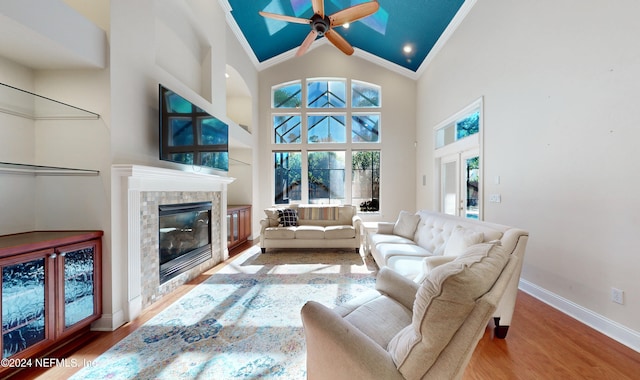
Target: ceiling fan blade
x,y
318,7
307,42
276,16
339,41
354,13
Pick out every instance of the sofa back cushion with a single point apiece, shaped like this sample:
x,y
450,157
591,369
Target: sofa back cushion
x,y
326,215
443,302
315,215
435,229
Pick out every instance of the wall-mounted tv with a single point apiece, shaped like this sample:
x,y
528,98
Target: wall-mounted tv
x,y
189,135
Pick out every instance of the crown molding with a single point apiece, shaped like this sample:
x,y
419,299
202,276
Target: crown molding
x,y
444,37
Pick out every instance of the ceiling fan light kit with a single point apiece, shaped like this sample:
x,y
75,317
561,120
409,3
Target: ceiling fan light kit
x,y
322,25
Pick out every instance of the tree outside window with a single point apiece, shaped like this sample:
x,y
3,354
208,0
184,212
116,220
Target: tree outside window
x,y
365,180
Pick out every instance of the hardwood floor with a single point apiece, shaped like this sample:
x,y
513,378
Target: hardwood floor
x,y
542,343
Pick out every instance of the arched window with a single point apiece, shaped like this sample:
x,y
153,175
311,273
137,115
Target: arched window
x,y
322,127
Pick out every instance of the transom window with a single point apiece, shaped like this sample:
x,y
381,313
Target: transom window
x,y
322,127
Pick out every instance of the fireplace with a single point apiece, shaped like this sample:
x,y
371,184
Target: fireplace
x,y
184,237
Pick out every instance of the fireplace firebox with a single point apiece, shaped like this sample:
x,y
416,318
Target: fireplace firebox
x,y
184,237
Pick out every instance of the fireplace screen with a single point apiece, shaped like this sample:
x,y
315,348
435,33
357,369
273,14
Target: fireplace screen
x,y
184,236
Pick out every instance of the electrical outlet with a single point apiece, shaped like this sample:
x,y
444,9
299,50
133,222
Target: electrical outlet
x,y
617,296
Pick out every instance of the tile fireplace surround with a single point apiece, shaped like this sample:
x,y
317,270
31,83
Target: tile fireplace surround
x,y
137,192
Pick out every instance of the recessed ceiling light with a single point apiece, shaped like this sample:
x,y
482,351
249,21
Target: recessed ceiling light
x,y
346,25
407,48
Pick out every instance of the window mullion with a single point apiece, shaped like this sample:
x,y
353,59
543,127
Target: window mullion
x,y
348,169
304,178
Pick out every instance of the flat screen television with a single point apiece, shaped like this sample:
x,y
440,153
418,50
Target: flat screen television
x,y
189,135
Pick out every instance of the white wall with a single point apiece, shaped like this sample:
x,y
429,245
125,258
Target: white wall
x,y
17,135
397,124
182,45
560,84
45,202
245,189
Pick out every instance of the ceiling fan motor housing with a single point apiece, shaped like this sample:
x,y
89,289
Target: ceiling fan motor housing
x,y
320,24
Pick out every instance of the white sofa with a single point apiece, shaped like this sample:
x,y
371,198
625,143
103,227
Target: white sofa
x,y
416,243
430,329
315,226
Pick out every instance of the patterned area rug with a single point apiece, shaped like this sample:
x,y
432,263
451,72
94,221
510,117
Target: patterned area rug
x,y
242,322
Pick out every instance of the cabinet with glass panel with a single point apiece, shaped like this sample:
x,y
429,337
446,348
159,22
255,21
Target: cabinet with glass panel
x,y
51,289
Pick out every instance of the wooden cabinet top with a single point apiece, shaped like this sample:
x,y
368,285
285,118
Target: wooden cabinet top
x,y
37,240
237,207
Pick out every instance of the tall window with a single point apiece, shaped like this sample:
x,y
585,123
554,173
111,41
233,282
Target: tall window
x,y
321,127
458,159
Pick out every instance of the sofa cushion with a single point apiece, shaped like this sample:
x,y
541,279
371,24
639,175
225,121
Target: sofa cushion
x,y
339,232
443,302
375,239
406,224
381,318
280,232
460,239
309,232
386,250
287,217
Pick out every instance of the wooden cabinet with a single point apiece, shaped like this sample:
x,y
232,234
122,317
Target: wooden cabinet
x,y
51,289
238,225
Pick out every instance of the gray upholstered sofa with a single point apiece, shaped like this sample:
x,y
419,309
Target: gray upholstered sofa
x,y
311,226
418,242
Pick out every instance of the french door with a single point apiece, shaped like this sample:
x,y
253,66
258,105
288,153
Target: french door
x,y
460,184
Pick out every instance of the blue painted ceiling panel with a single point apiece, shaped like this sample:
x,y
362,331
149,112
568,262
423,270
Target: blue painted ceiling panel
x,y
419,23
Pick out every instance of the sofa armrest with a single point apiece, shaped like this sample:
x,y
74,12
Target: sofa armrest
x,y
397,287
264,223
338,350
386,228
356,221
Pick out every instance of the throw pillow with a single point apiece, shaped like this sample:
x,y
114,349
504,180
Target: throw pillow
x,y
442,304
460,239
288,217
406,224
272,216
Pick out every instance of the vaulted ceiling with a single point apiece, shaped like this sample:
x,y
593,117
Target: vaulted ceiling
x,y
422,25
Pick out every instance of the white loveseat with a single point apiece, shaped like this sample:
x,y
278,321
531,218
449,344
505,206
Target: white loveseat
x,y
311,226
417,243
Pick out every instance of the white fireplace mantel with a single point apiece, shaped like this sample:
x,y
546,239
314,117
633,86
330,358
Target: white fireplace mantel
x,y
127,182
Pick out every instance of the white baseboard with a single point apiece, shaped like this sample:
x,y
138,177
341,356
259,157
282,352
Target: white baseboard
x,y
612,329
109,322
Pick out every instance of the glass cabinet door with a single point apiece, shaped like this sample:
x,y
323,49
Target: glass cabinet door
x,y
25,310
78,272
236,226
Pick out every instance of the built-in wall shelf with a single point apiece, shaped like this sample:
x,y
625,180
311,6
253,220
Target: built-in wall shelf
x,y
38,170
233,161
22,103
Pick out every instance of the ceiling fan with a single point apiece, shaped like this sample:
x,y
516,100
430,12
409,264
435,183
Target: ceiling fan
x,y
322,24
